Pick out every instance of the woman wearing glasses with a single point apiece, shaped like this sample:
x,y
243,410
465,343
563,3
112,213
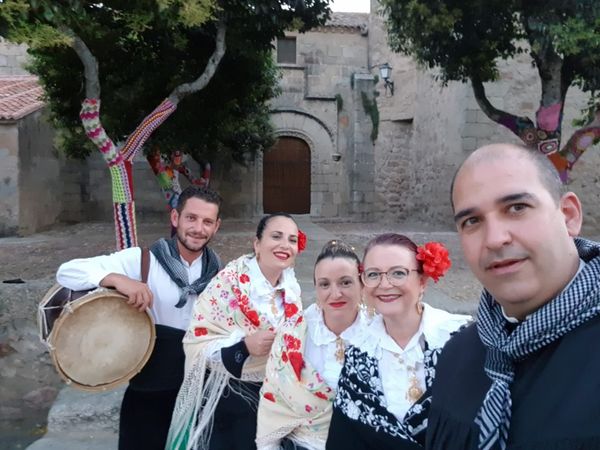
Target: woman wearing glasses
x,y
383,391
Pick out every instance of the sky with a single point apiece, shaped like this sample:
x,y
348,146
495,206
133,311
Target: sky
x,y
350,5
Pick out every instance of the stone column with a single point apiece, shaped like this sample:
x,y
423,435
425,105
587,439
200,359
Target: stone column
x,y
361,161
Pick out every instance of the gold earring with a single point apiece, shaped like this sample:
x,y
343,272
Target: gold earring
x,y
370,309
419,308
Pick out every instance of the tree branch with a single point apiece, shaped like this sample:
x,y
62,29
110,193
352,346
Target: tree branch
x,y
514,123
581,140
549,63
151,122
90,64
185,89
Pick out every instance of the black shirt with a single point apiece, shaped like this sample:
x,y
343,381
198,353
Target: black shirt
x,y
555,394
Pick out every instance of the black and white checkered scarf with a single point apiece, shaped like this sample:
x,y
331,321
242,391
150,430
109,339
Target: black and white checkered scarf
x,y
579,303
167,254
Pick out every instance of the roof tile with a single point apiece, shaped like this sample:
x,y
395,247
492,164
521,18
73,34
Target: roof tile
x,y
19,96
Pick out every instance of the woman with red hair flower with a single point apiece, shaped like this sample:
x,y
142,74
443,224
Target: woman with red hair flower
x,y
234,322
383,393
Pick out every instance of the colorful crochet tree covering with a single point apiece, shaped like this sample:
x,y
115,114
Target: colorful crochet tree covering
x,y
138,138
120,162
202,181
167,178
167,174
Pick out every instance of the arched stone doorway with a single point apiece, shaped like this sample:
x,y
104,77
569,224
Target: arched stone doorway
x,y
286,177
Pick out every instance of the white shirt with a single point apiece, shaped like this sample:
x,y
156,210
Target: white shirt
x,y
396,364
86,273
262,292
321,346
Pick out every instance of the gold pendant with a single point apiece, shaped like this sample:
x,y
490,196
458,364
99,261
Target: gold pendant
x,y
340,350
414,393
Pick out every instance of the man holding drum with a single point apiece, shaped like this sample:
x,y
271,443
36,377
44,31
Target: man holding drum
x,y
178,270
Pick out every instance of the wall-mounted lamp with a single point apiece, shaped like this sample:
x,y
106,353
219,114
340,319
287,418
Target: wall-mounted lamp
x,y
385,71
336,156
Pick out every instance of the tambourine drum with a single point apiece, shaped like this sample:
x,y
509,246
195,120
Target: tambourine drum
x,y
97,341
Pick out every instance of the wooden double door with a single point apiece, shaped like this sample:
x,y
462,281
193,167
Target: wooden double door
x,y
286,177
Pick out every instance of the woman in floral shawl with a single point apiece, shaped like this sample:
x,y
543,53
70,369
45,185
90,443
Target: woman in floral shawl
x,y
226,345
307,356
384,388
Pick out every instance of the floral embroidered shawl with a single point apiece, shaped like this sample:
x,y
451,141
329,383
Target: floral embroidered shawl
x,y
222,309
294,400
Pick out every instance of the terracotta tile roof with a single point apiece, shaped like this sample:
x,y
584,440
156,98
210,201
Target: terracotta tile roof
x,y
19,96
348,20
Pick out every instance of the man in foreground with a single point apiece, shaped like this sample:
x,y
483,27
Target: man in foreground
x,y
526,374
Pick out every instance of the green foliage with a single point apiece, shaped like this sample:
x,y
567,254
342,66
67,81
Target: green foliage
x,y
371,109
191,13
458,36
466,38
339,101
144,49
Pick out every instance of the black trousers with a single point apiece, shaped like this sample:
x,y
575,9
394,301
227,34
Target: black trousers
x,y
145,419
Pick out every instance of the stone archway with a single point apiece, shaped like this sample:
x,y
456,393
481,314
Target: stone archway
x,y
287,177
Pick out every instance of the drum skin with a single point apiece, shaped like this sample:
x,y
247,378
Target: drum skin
x,y
99,341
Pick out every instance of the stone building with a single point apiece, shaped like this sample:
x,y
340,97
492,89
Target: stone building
x,y
30,189
350,148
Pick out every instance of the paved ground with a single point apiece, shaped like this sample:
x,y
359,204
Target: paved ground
x,y
38,256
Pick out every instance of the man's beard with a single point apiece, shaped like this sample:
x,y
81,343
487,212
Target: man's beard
x,y
181,238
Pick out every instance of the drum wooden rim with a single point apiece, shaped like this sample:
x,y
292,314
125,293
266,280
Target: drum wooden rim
x,y
92,296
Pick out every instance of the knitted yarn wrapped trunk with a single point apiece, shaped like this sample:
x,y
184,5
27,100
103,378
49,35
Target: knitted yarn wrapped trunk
x,y
120,162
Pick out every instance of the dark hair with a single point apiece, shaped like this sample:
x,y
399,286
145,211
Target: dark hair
x,y
260,228
203,193
546,171
393,239
337,249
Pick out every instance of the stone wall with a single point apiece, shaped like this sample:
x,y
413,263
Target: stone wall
x,y
518,91
9,178
87,190
419,141
13,58
321,103
427,130
30,186
28,380
40,185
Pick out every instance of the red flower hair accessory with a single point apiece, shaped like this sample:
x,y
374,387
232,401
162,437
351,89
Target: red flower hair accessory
x,y
301,241
435,259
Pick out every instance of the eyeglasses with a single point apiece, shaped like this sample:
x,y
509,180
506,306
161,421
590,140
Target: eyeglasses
x,y
396,276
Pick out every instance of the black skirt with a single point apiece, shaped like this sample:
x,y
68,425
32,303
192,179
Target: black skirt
x,y
234,425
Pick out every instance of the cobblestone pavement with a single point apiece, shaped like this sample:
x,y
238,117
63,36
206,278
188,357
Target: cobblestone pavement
x,y
38,256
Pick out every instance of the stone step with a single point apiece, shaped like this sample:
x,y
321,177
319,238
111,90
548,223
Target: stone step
x,y
85,411
80,419
77,441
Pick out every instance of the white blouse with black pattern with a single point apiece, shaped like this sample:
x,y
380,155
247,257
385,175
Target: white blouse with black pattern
x,y
377,374
321,345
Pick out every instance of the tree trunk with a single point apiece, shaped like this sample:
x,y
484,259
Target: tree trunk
x,y
120,161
